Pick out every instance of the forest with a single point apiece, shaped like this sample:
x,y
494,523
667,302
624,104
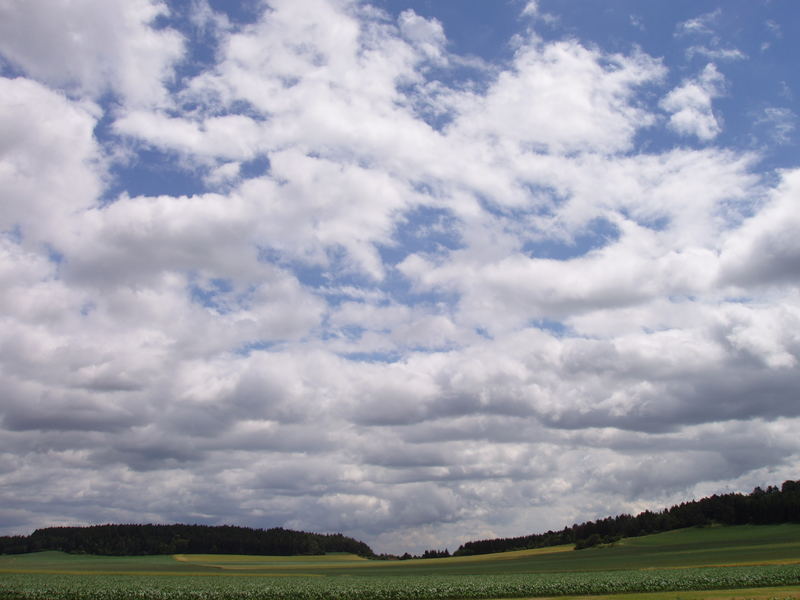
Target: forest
x,y
761,507
133,540
768,506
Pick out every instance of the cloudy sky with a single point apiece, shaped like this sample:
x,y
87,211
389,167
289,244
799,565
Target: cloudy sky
x,y
418,271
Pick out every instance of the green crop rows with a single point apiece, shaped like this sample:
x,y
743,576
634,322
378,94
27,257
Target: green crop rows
x,y
137,587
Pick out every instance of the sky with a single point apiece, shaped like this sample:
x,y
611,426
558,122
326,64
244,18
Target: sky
x,y
416,271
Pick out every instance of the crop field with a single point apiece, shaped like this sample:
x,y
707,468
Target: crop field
x,y
758,562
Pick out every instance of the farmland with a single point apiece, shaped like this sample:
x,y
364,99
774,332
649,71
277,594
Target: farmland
x,y
745,557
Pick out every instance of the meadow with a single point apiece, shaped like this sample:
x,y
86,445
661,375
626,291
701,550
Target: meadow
x,y
755,560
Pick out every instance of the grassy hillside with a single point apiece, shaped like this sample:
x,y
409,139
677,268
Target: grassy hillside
x,y
772,506
694,547
680,560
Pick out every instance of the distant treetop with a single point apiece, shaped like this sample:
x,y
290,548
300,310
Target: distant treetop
x,y
129,540
760,507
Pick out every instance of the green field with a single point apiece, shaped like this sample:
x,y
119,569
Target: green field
x,y
675,564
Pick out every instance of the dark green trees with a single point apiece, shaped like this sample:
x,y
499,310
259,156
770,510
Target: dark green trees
x,y
760,507
172,539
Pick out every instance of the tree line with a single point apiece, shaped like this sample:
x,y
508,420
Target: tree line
x,y
407,556
760,507
772,505
130,540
